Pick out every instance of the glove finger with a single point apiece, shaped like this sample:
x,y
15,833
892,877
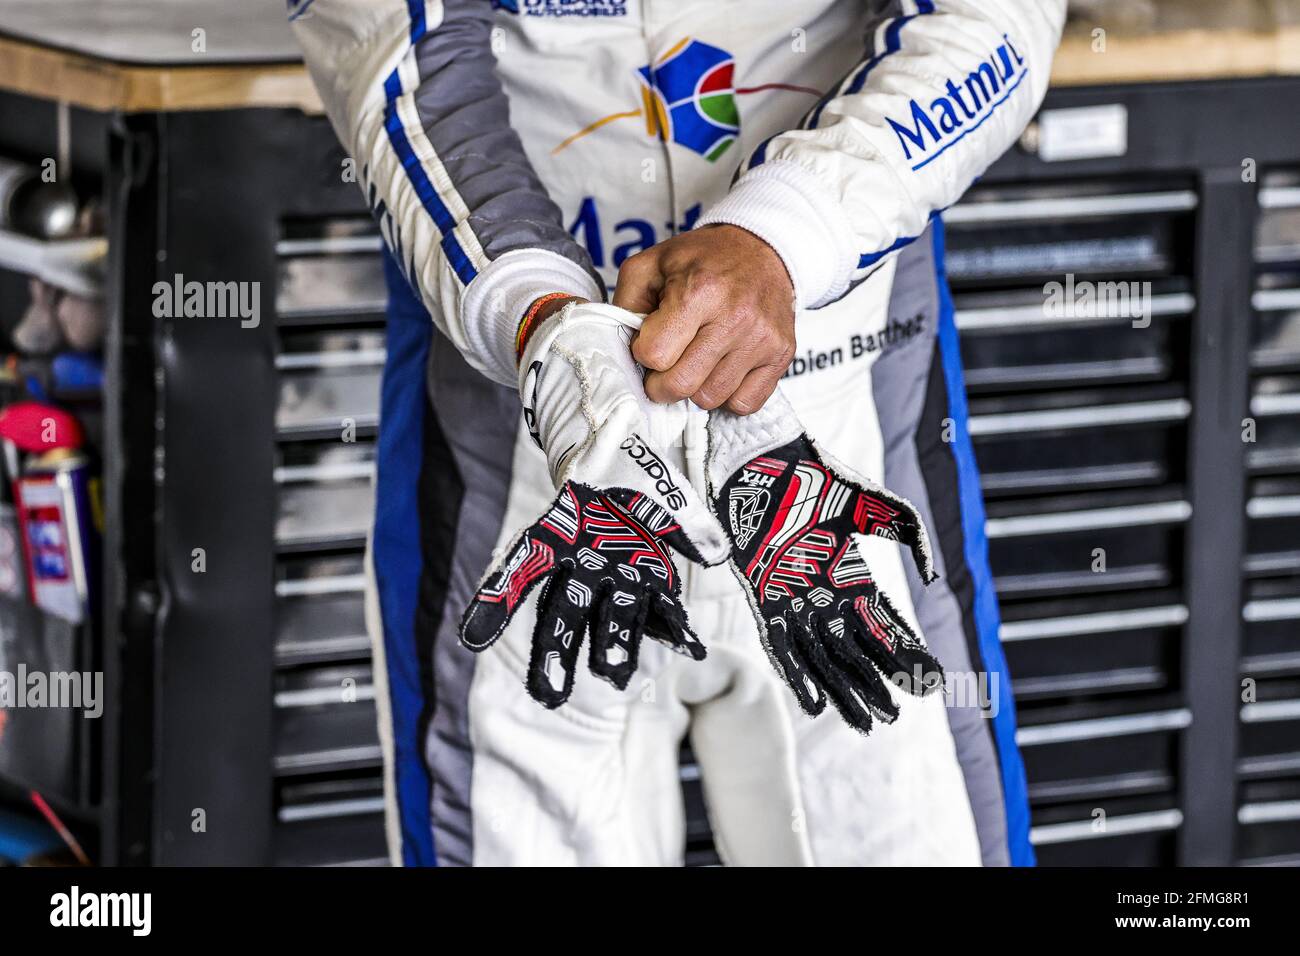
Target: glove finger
x,y
878,511
833,681
885,515
561,623
503,589
616,634
891,644
788,657
667,623
860,684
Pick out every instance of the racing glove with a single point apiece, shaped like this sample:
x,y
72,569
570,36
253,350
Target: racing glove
x,y
794,514
603,550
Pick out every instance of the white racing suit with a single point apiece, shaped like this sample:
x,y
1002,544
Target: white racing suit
x,y
518,147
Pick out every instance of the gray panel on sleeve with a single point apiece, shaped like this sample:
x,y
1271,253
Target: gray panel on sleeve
x,y
466,117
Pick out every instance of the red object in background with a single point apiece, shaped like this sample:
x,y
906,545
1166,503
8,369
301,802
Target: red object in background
x,y
37,427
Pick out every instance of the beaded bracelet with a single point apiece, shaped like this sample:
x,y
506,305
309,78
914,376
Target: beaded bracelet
x,y
526,324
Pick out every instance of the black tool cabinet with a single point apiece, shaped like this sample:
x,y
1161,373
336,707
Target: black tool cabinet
x,y
1159,693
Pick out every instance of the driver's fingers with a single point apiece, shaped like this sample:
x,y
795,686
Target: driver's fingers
x,y
726,377
668,329
711,345
758,385
640,282
859,680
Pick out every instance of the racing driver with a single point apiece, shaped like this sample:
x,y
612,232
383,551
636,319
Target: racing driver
x,y
698,244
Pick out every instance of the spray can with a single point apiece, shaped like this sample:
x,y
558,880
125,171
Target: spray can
x,y
59,531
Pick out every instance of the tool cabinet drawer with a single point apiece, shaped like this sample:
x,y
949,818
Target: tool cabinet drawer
x,y
1268,823
1275,345
1277,231
1021,235
1071,442
320,627
1108,832
1098,750
332,820
325,493
1273,526
1081,544
1269,735
1271,627
329,267
329,380
1274,445
325,719
1018,341
1088,646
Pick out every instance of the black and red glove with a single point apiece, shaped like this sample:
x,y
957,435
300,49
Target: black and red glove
x,y
604,560
794,515
603,549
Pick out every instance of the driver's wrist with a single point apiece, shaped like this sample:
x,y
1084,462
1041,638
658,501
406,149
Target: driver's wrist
x,y
539,310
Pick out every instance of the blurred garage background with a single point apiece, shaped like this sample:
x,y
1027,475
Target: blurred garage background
x,y
1142,477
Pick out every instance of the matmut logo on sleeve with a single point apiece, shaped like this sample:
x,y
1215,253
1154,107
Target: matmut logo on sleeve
x,y
968,102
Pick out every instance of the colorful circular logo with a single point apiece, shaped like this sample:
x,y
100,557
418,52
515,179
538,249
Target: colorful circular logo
x,y
689,98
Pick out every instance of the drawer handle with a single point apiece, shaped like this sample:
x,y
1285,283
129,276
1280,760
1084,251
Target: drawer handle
x,y
1103,622
326,758
317,696
1070,207
1277,811
1054,419
1155,822
1103,727
334,423
1274,506
1275,300
328,246
329,809
1066,522
337,471
1267,711
326,584
1271,609
1264,406
354,358
1279,197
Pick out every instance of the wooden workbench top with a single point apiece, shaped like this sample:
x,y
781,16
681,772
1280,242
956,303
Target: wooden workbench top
x,y
138,56
145,56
